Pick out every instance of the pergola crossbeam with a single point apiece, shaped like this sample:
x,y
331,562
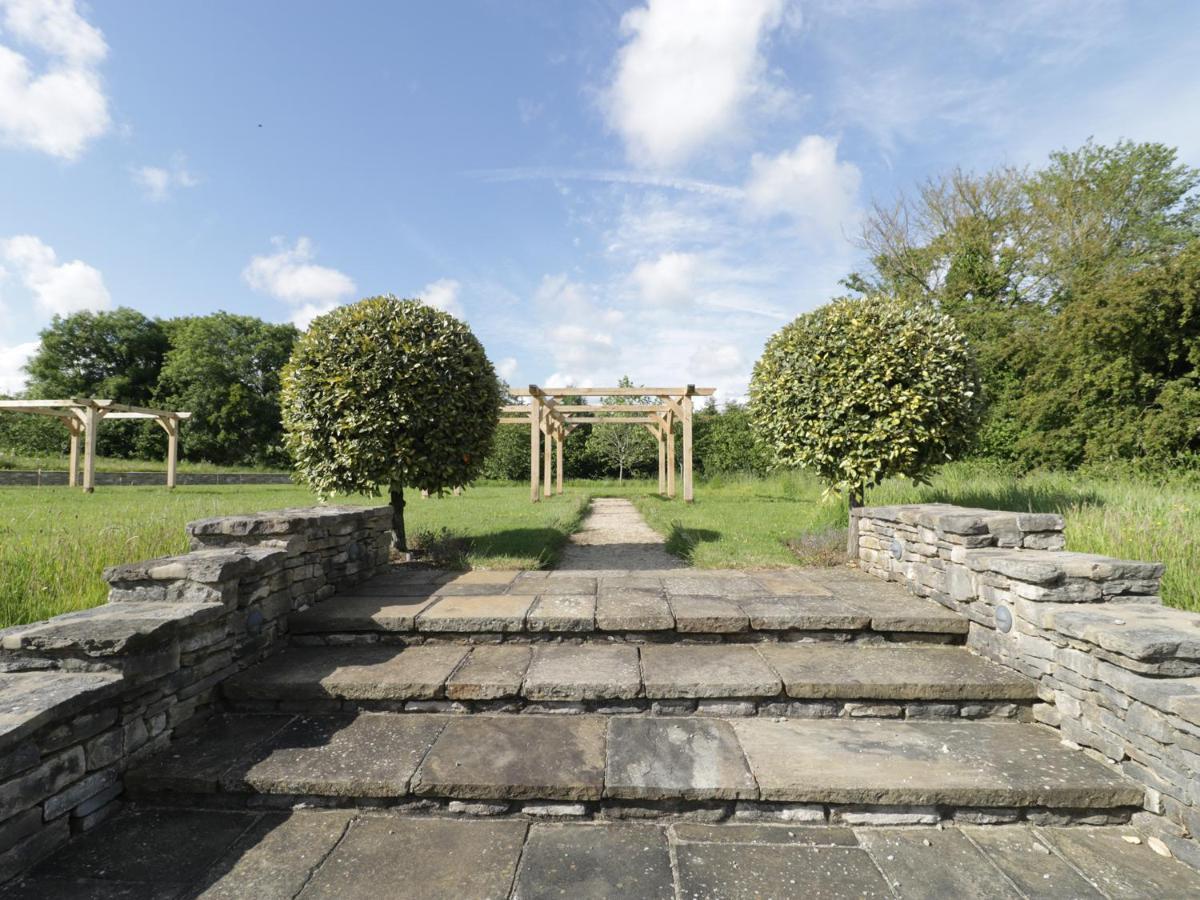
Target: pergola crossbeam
x,y
82,417
546,415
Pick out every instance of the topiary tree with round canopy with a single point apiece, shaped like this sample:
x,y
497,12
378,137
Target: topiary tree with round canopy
x,y
863,389
386,394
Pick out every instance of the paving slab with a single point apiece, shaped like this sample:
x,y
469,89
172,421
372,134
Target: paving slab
x,y
925,862
527,757
352,612
90,889
906,672
583,672
563,612
568,583
275,858
485,612
789,583
490,673
633,610
423,859
369,755
803,613
133,846
731,584
819,835
913,763
1025,860
708,615
28,700
195,764
389,586
707,670
652,758
497,578
373,672
752,872
590,861
1120,869
891,607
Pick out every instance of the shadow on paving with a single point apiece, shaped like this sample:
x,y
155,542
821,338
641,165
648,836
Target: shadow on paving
x,y
168,854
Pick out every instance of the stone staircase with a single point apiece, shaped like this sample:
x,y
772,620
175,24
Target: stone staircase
x,y
798,696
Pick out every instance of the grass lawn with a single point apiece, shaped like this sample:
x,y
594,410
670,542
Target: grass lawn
x,y
112,464
54,542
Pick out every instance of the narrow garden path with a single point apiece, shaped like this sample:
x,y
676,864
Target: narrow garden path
x,y
614,536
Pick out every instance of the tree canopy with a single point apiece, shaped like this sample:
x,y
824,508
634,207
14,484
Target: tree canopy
x,y
387,394
863,389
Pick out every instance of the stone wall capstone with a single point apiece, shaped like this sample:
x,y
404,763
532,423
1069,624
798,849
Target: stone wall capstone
x,y
1118,673
86,694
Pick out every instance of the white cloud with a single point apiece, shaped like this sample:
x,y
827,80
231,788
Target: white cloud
x,y
808,182
158,181
60,109
443,294
685,72
12,379
668,280
57,288
507,368
291,276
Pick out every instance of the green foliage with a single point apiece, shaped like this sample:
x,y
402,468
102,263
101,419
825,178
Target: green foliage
x,y
225,369
623,448
1076,285
864,389
389,393
115,355
726,441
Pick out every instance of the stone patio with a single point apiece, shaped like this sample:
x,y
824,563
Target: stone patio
x,y
622,726
309,854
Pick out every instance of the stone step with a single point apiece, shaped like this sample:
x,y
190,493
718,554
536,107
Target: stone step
x,y
662,606
640,765
807,679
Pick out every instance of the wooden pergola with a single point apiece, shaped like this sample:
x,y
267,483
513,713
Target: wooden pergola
x,y
546,415
82,417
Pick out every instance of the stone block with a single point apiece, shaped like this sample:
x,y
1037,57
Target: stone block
x,y
490,673
719,670
488,613
582,672
651,758
589,862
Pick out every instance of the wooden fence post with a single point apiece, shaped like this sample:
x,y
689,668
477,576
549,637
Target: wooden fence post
x,y
535,449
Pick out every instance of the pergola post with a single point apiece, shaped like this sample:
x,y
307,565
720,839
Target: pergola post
x,y
73,425
535,449
661,441
559,467
687,447
547,454
670,456
171,426
91,420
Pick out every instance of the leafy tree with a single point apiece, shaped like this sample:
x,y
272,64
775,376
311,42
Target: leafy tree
x,y
726,441
621,446
116,355
864,389
1024,261
389,393
225,369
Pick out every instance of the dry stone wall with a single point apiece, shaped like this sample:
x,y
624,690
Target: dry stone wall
x,y
86,694
1118,673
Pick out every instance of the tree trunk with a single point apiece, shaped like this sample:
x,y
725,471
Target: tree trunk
x,y
620,473
856,502
399,541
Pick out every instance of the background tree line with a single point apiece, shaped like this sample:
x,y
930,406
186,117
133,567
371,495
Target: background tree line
x,y
224,368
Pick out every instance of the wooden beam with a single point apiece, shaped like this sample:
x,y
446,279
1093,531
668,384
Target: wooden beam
x,y
507,420
574,419
547,458
559,469
610,408
688,497
535,449
660,441
74,426
670,456
91,423
613,392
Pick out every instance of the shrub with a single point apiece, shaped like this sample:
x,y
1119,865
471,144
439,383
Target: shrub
x,y
388,394
864,389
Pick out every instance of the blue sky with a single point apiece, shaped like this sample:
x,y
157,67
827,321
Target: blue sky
x,y
599,188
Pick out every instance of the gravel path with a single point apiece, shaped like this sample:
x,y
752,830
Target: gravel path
x,y
614,536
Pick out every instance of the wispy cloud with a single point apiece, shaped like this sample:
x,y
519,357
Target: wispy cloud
x,y
157,182
290,275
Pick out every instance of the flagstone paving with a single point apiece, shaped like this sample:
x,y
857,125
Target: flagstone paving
x,y
622,726
163,854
